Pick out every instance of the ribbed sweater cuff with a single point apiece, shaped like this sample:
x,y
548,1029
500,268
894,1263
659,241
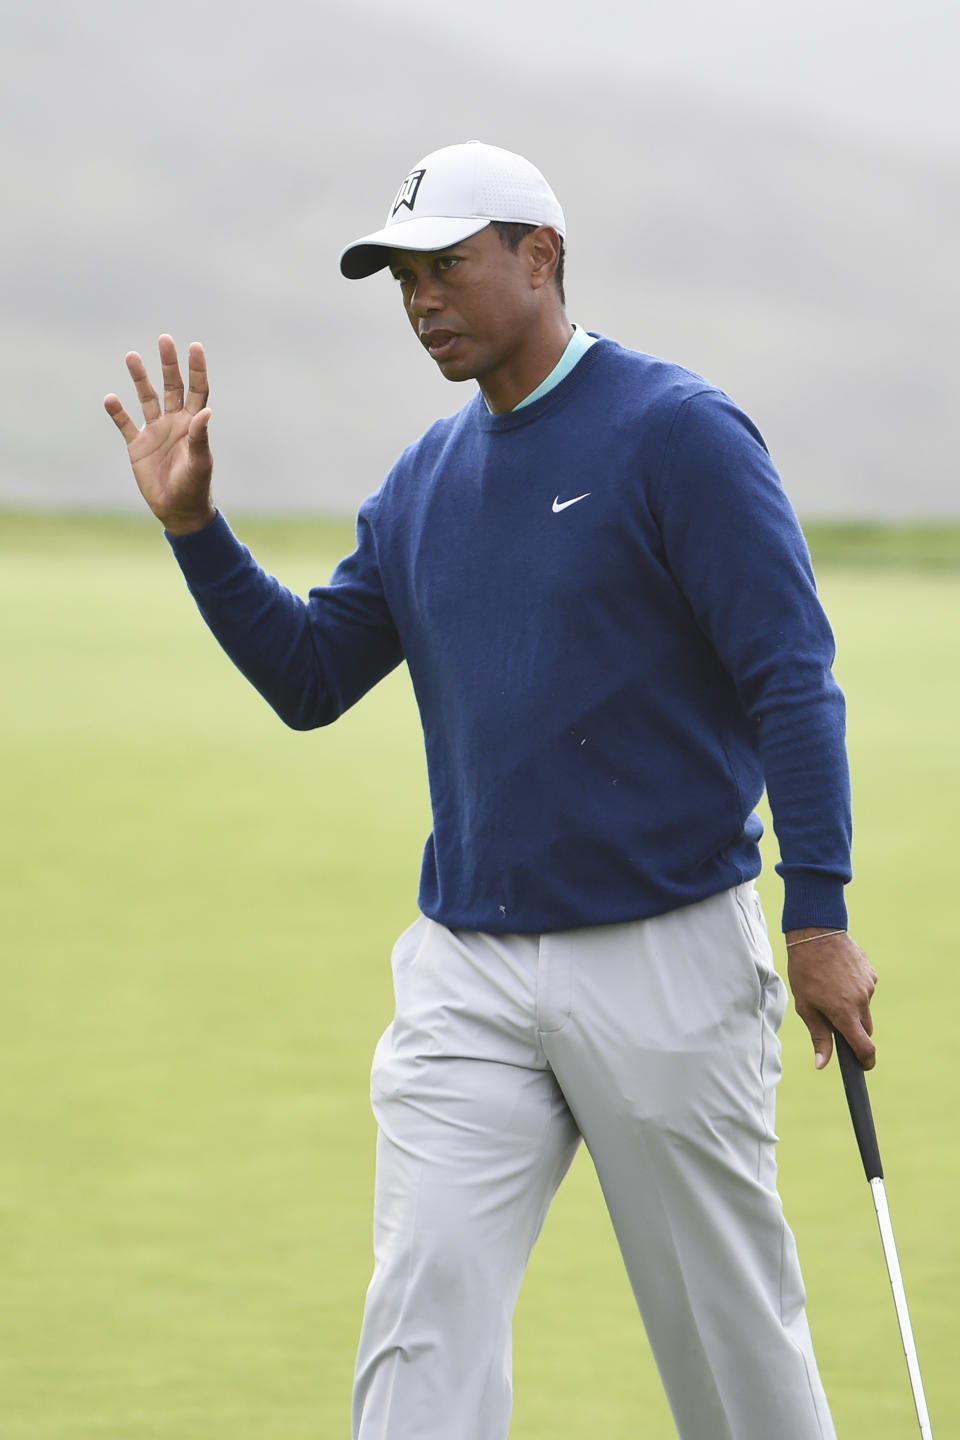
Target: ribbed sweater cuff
x,y
208,553
811,898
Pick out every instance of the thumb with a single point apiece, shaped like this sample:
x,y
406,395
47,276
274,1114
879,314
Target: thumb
x,y
821,1034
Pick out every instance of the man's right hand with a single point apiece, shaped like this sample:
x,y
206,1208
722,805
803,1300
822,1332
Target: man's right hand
x,y
832,983
170,456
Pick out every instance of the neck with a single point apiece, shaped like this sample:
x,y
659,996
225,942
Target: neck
x,y
520,375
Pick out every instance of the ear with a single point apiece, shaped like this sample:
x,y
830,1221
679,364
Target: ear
x,y
542,250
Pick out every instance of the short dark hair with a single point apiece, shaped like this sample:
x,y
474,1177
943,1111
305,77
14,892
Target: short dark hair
x,y
511,232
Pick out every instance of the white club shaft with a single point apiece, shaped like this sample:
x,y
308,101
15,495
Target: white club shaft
x,y
900,1300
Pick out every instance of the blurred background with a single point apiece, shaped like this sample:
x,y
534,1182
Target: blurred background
x,y
196,906
767,193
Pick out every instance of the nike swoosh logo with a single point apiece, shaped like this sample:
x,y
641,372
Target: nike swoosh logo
x,y
559,504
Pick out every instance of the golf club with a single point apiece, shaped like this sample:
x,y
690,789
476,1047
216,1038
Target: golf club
x,y
855,1085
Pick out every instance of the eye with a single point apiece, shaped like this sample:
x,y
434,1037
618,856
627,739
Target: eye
x,y
402,277
446,262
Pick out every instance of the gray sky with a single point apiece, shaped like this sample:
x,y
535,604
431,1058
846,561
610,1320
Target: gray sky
x,y
875,70
765,192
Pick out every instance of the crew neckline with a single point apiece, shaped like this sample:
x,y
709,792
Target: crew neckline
x,y
523,414
575,348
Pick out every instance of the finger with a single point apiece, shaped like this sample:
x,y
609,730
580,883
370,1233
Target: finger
x,y
199,385
172,379
198,437
127,427
822,1045
820,1033
867,1016
864,1016
860,1043
145,391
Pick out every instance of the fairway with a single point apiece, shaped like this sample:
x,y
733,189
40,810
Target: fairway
x,y
196,912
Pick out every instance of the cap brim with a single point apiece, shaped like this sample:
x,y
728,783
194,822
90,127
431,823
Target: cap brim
x,y
372,252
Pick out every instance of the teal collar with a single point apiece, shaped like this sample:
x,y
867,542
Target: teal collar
x,y
578,345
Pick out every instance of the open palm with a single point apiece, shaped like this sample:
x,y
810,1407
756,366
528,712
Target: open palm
x,y
170,455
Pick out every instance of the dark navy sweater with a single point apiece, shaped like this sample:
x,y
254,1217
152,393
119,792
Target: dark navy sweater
x,y
608,612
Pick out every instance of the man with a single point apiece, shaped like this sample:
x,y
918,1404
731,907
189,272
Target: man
x,y
610,620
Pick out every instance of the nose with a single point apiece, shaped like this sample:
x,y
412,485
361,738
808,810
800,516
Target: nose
x,y
424,297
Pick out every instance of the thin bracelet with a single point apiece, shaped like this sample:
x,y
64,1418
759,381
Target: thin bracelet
x,y
824,935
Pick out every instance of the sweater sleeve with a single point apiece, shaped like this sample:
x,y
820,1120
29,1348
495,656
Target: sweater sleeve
x,y
735,548
310,659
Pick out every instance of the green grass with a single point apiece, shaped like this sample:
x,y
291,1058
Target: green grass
x,y
897,547
196,912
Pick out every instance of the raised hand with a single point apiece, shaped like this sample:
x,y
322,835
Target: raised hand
x,y
171,458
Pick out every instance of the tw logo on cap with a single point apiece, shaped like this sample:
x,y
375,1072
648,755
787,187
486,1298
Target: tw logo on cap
x,y
407,193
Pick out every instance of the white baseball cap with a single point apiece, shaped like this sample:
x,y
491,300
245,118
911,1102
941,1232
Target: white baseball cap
x,y
451,194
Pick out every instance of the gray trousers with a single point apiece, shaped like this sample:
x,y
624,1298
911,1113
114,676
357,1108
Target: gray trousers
x,y
656,1042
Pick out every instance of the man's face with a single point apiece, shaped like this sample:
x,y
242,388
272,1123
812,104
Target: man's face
x,y
473,305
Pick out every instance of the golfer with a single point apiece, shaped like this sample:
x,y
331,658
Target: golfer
x,y
608,613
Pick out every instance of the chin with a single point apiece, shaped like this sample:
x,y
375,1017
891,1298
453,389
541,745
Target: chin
x,y
456,370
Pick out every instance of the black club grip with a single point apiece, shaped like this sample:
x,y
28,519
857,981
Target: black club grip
x,y
855,1084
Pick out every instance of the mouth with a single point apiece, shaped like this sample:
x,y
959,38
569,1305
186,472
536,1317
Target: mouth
x,y
439,344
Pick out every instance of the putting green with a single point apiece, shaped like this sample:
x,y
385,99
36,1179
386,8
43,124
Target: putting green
x,y
196,910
